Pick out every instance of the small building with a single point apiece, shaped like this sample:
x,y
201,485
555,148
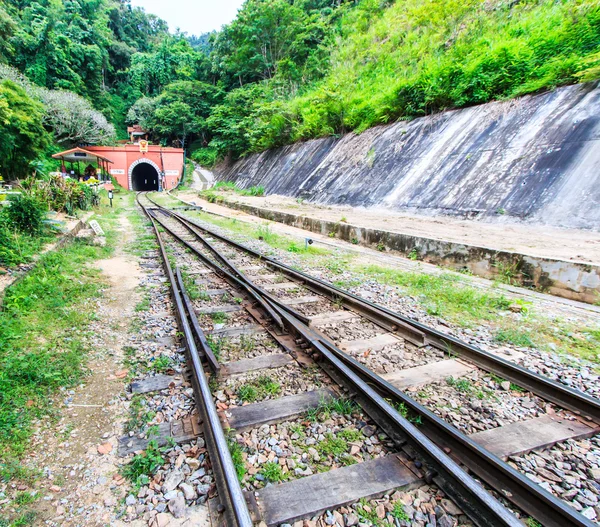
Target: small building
x,y
142,166
79,163
137,134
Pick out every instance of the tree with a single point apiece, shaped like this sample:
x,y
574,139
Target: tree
x,y
172,60
182,109
70,117
265,33
232,123
142,113
22,134
7,28
73,119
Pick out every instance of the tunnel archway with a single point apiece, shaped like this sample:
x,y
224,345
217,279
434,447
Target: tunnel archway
x,y
144,175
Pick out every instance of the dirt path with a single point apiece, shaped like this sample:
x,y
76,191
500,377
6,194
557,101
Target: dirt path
x,y
534,240
77,454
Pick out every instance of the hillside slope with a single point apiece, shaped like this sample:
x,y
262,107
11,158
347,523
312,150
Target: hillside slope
x,y
536,158
415,57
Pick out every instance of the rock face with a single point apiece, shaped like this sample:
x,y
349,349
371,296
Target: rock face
x,y
535,158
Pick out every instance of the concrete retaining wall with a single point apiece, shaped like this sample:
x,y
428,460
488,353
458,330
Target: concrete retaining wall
x,y
573,280
533,159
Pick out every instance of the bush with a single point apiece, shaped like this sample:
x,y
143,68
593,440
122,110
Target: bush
x,y
206,157
61,195
26,214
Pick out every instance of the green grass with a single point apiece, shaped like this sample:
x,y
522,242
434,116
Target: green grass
x,y
350,434
42,344
216,344
18,248
462,385
272,472
193,290
236,452
515,336
446,295
332,446
161,364
258,389
219,317
326,407
230,186
409,58
262,232
24,498
139,414
398,512
143,305
143,466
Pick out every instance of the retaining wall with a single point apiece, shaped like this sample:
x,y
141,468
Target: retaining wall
x,y
574,280
536,159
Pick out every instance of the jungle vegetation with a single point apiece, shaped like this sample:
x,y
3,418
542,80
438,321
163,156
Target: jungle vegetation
x,y
283,70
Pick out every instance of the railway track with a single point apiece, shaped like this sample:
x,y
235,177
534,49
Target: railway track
x,y
284,320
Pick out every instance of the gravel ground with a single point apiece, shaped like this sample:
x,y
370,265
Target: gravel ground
x,y
183,483
473,404
263,385
396,357
569,470
303,447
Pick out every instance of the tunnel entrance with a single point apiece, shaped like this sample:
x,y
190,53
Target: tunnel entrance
x,y
144,177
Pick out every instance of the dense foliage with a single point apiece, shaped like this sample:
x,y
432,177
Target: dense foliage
x,y
22,134
296,70
289,70
391,60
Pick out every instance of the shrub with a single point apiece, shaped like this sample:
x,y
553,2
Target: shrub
x,y
26,214
206,157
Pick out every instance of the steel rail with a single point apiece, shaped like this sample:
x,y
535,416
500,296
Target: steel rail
x,y
511,484
481,507
578,402
233,504
195,325
234,269
546,508
478,504
226,275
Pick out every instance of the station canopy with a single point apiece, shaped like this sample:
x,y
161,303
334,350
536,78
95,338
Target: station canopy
x,y
80,154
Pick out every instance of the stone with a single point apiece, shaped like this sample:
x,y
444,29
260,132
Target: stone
x,y
104,448
203,490
368,430
351,520
445,521
188,491
130,500
594,473
589,513
450,507
172,481
170,495
162,519
505,385
177,506
193,463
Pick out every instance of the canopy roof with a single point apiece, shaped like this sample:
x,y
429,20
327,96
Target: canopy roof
x,y
80,154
